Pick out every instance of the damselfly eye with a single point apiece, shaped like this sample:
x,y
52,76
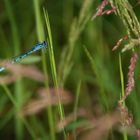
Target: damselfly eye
x,y
44,43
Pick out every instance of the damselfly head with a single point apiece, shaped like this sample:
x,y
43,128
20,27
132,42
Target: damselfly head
x,y
44,43
39,46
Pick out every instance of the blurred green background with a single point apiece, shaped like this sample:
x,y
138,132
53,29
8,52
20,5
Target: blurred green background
x,y
94,83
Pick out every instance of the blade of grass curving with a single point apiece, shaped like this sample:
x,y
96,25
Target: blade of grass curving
x,y
77,27
53,65
40,130
18,85
121,77
30,130
15,36
51,52
123,91
6,116
103,96
9,94
41,37
39,25
6,119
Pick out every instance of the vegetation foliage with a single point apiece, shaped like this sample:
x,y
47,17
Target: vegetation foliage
x,y
85,84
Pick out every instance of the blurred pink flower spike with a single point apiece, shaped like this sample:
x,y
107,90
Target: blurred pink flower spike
x,y
119,42
131,81
18,71
8,79
26,71
100,10
47,97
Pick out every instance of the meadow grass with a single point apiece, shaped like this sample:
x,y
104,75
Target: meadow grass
x,y
78,61
18,85
41,37
122,91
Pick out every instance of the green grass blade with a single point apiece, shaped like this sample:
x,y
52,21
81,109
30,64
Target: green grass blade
x,y
18,84
53,65
103,97
41,37
121,76
123,92
52,60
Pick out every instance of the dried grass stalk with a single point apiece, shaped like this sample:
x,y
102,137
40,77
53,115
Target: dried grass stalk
x,y
48,98
100,10
72,117
131,81
102,126
23,71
